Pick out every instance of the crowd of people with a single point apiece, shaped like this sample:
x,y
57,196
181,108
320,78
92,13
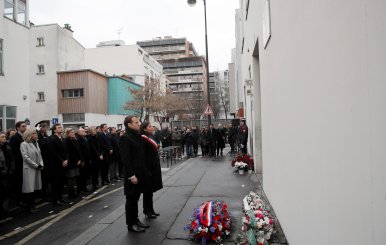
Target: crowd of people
x,y
33,163
211,140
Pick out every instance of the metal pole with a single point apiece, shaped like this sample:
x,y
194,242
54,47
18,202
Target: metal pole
x,y
207,65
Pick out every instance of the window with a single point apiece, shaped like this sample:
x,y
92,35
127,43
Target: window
x,y
9,9
73,117
40,97
7,117
72,93
16,10
40,70
40,42
1,57
21,11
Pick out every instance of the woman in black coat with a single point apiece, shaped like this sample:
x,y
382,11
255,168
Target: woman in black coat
x,y
153,168
75,160
135,177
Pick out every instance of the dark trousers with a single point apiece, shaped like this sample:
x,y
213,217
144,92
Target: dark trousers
x,y
57,188
95,170
203,152
131,208
84,173
148,202
195,149
232,145
29,199
212,149
244,149
105,167
219,150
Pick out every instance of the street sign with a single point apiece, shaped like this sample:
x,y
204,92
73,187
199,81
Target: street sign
x,y
54,120
208,110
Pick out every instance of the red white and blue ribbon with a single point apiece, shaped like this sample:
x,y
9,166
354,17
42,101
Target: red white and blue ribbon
x,y
151,141
206,214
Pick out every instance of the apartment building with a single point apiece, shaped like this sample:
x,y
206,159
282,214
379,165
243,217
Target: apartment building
x,y
14,63
113,58
219,93
184,68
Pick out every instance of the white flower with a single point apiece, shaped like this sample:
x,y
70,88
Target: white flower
x,y
219,227
266,220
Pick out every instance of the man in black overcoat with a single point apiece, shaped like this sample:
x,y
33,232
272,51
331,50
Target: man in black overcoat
x,y
85,168
212,139
43,141
107,148
15,142
132,156
57,161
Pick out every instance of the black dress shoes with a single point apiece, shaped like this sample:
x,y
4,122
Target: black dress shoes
x,y
140,224
64,201
135,228
150,215
154,213
58,203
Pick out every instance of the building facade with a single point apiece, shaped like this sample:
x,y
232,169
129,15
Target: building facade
x,y
118,60
313,79
52,49
14,63
219,94
89,98
184,68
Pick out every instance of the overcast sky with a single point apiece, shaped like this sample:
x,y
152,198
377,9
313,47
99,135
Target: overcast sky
x,y
94,20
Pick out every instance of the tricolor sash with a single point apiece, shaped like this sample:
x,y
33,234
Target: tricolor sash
x,y
151,141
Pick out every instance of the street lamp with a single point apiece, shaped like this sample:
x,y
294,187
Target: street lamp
x,y
192,3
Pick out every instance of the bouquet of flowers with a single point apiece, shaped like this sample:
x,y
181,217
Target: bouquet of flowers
x,y
247,159
210,222
257,222
240,166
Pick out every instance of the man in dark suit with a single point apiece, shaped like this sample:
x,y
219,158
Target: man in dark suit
x,y
15,143
57,161
132,156
85,167
43,141
107,147
212,139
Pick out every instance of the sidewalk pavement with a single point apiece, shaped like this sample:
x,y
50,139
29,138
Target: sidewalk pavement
x,y
185,187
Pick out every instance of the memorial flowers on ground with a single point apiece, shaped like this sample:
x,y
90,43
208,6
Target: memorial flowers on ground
x,y
246,159
210,222
257,226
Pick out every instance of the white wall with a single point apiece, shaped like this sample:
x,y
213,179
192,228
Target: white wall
x,y
119,60
15,82
232,88
61,52
323,91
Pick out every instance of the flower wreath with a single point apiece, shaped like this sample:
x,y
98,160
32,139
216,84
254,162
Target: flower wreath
x,y
257,222
210,222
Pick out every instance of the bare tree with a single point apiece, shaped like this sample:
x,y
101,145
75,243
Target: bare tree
x,y
145,99
170,105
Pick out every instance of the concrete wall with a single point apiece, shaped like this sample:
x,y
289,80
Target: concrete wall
x,y
61,52
322,83
121,60
119,95
14,84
